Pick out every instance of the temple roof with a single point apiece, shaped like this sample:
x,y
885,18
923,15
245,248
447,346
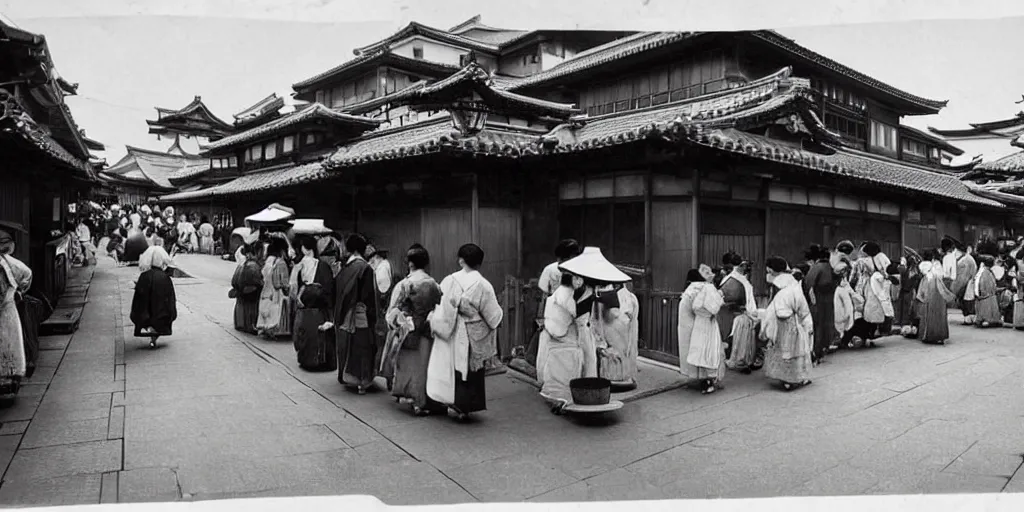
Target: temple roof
x,y
647,41
379,58
474,81
194,118
155,167
269,179
313,112
260,110
1004,128
18,127
419,29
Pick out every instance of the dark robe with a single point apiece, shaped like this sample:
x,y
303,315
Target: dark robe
x,y
134,246
735,304
355,315
820,280
246,285
904,303
415,297
987,302
154,304
932,297
315,348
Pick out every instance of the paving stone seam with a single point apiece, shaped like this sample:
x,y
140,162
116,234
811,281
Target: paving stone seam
x,y
1014,475
118,359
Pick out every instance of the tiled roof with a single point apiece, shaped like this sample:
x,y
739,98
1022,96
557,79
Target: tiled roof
x,y
155,166
1008,164
380,57
791,46
314,111
473,78
190,171
16,123
415,28
266,106
430,137
500,38
603,54
196,106
255,182
380,101
773,96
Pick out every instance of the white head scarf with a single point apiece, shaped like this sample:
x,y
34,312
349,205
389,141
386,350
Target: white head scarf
x,y
154,257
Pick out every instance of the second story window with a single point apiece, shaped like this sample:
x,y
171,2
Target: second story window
x,y
270,151
254,154
233,162
913,147
288,145
883,137
417,52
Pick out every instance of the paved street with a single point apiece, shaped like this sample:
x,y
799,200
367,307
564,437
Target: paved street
x,y
213,413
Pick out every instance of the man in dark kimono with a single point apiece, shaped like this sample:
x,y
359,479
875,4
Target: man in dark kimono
x,y
355,315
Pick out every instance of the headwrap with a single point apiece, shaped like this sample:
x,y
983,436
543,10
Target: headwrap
x,y
6,242
154,257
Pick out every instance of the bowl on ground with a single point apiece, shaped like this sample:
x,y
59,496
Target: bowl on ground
x,y
591,391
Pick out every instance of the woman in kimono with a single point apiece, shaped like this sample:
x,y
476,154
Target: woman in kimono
x,y
846,303
567,350
188,241
616,328
410,341
932,298
465,331
330,253
701,355
1018,298
788,327
986,293
732,293
15,279
313,287
154,306
819,289
135,243
274,309
744,326
963,287
1006,283
246,285
205,233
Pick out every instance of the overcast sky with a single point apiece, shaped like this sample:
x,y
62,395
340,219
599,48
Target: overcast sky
x,y
132,55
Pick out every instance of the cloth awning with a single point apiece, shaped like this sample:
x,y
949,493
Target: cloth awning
x,y
272,213
309,227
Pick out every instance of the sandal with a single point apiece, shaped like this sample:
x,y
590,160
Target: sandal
x,y
787,386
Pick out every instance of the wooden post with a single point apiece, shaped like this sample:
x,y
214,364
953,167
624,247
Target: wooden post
x,y
903,228
695,221
475,210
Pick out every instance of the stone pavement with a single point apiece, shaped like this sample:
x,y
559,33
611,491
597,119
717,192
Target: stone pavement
x,y
213,413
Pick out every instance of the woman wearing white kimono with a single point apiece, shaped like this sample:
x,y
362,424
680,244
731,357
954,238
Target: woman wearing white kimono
x,y
616,327
568,348
788,327
465,336
701,353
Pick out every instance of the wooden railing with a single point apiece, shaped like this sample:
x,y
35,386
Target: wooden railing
x,y
56,266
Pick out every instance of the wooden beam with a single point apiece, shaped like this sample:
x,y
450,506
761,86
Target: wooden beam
x,y
475,209
695,221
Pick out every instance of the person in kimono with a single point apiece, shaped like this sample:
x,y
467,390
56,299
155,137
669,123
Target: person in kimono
x,y
788,327
15,280
246,285
355,315
465,327
950,256
615,323
819,289
701,355
410,341
135,243
188,239
274,309
154,305
987,294
205,234
84,235
743,335
386,280
1018,298
846,303
330,253
910,278
550,280
733,294
567,346
932,298
1006,282
312,286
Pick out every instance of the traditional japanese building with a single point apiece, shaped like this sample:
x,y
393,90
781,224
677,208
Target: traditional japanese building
x,y
665,149
144,174
45,162
988,141
192,120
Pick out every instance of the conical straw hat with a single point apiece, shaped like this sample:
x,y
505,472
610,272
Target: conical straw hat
x,y
593,265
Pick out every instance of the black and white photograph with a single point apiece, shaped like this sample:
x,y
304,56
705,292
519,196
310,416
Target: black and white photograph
x,y
458,252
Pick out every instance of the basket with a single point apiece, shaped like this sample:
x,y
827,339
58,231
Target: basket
x,y
591,391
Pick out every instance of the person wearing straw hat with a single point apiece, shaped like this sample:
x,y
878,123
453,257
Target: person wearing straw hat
x,y
788,327
614,319
465,327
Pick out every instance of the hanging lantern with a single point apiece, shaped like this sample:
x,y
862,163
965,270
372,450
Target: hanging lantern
x,y
468,121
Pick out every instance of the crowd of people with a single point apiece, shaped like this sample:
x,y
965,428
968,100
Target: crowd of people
x,y
347,311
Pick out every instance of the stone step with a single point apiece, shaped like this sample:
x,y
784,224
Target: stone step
x,y
62,321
